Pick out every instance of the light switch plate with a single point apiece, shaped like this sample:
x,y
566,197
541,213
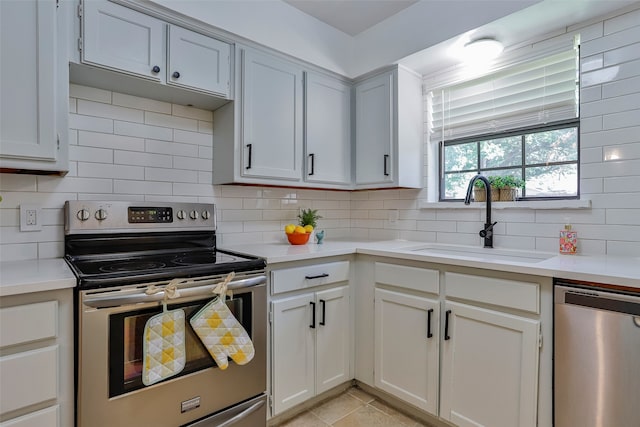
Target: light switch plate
x,y
30,217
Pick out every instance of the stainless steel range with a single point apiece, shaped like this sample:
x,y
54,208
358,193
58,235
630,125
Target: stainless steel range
x,y
118,251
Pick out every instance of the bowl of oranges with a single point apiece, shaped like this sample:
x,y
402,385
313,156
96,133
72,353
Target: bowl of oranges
x,y
297,234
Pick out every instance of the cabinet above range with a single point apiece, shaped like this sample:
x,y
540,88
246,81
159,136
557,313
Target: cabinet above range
x,y
119,48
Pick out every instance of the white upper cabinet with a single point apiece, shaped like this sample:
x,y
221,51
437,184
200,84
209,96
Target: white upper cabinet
x,y
197,61
34,87
125,40
271,103
389,135
327,130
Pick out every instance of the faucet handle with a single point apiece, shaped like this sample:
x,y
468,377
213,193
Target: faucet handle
x,y
488,230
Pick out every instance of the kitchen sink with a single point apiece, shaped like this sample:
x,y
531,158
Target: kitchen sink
x,y
483,254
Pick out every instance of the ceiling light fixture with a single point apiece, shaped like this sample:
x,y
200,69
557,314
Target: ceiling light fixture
x,y
483,49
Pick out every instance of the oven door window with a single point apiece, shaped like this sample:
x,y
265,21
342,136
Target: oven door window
x,y
126,342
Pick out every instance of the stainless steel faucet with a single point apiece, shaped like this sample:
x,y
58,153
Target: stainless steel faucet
x,y
487,231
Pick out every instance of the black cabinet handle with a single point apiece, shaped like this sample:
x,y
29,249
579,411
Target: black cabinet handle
x,y
324,314
313,157
429,313
446,325
176,75
319,276
155,69
313,315
386,161
250,147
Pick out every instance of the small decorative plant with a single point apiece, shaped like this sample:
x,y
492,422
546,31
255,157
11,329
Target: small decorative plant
x,y
308,217
510,186
479,193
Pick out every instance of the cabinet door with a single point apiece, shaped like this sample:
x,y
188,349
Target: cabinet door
x,y
489,368
374,130
333,340
292,351
327,130
28,80
271,117
197,61
406,343
123,39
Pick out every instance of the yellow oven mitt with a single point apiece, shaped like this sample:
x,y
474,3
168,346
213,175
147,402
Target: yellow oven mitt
x,y
164,352
220,332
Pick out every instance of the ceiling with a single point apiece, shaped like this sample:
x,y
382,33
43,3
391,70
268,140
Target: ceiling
x,y
351,16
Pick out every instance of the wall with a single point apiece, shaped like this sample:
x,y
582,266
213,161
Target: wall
x,y
124,147
129,148
610,166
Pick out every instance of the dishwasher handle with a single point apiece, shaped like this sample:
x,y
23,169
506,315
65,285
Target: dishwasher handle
x,y
599,300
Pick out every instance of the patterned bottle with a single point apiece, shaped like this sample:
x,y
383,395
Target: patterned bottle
x,y
568,240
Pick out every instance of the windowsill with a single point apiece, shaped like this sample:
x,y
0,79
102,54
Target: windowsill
x,y
541,204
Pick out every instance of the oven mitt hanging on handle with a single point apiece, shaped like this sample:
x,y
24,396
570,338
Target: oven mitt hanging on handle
x,y
164,353
220,332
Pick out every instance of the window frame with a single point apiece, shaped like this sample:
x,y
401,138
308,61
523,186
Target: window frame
x,y
522,132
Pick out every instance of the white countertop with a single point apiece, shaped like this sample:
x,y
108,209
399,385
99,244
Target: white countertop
x,y
614,270
23,277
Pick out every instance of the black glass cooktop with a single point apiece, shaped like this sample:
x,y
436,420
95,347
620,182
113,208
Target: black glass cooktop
x,y
121,269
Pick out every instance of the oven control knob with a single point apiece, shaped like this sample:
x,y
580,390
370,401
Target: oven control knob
x,y
181,214
101,214
83,215
194,215
206,215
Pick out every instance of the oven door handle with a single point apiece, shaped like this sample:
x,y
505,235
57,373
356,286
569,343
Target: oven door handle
x,y
196,288
244,414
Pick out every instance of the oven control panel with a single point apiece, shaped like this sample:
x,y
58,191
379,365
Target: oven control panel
x,y
150,215
109,216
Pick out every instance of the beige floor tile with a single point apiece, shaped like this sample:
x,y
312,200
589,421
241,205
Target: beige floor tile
x,y
306,419
337,408
367,416
400,418
360,395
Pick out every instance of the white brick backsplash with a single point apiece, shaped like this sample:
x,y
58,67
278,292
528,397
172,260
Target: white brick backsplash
x,y
611,169
610,137
191,112
18,252
436,226
612,105
143,131
47,234
260,204
90,154
239,191
205,177
192,164
623,233
622,22
100,170
591,155
259,226
591,185
10,217
142,159
621,120
73,137
586,216
111,141
623,216
592,63
367,204
74,185
97,109
136,102
458,239
72,105
90,93
13,199
241,215
11,182
185,189
95,124
205,152
166,120
621,55
178,199
460,215
623,248
589,94
193,138
610,41
229,203
109,197
51,250
170,175
142,187
621,87
515,242
622,152
620,199
230,227
590,124
205,127
173,148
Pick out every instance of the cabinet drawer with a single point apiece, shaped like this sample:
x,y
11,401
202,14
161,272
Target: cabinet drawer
x,y
291,279
45,418
28,378
418,279
505,293
27,323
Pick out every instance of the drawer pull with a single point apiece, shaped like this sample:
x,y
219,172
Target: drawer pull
x,y
429,313
313,315
446,325
324,314
319,276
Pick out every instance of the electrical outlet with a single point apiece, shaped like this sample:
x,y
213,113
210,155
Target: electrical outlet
x,y
30,218
394,214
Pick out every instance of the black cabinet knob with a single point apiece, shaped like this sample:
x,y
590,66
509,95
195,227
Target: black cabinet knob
x,y
176,75
155,69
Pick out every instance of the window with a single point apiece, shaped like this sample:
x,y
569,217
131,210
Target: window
x,y
521,121
547,159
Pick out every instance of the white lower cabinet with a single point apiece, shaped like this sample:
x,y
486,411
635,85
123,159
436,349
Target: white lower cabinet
x,y
407,335
310,345
489,367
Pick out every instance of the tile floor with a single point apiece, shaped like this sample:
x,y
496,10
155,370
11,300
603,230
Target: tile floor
x,y
353,408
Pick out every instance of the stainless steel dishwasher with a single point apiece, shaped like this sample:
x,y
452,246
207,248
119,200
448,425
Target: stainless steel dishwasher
x,y
596,356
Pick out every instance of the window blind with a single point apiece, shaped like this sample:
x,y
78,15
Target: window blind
x,y
530,94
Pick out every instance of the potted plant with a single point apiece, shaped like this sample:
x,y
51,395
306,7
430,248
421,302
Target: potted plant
x,y
308,217
480,194
509,188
